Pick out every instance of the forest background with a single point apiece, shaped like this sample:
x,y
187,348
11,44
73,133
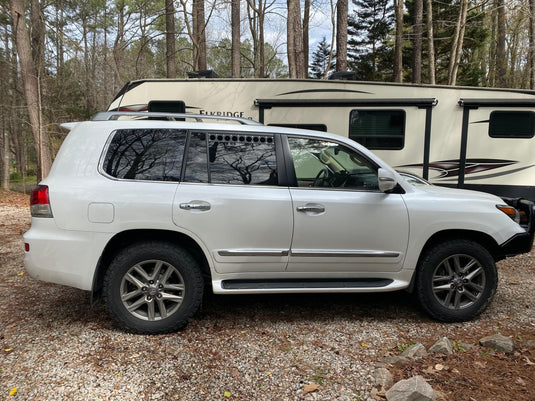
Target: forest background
x,y
64,60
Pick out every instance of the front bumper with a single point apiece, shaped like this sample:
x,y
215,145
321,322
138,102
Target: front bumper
x,y
522,242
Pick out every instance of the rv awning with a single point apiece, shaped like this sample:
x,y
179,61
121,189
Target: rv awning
x,y
474,103
417,102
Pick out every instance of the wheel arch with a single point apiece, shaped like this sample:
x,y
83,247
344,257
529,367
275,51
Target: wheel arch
x,y
481,238
129,237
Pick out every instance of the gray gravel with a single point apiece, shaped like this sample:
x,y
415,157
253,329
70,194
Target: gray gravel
x,y
55,346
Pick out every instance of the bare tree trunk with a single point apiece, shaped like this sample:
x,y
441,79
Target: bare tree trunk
x,y
15,128
333,33
5,155
457,47
199,51
6,113
501,62
118,43
532,44
417,42
31,89
170,47
257,14
236,38
306,23
296,61
398,48
341,35
431,42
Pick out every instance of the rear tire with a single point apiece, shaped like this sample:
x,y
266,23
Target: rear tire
x,y
456,280
153,288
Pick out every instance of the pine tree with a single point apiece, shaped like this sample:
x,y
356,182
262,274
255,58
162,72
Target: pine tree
x,y
369,52
320,60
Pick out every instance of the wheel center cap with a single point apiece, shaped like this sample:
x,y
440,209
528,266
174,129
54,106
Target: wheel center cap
x,y
152,290
458,283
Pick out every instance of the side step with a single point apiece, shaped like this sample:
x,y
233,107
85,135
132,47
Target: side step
x,y
304,284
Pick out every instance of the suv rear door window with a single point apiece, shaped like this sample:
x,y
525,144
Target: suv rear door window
x,y
239,158
145,154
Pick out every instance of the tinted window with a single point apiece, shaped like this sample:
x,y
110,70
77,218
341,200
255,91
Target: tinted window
x,y
197,160
512,124
326,164
232,159
145,154
378,129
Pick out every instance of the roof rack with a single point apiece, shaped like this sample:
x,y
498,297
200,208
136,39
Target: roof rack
x,y
114,115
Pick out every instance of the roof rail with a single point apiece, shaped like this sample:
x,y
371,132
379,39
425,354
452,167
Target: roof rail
x,y
114,115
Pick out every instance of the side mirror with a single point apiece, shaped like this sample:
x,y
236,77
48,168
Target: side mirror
x,y
387,180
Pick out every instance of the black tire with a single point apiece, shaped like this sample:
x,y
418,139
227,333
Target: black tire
x,y
456,280
153,288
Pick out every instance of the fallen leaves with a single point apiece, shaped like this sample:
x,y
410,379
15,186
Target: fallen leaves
x,y
528,362
310,388
13,391
520,382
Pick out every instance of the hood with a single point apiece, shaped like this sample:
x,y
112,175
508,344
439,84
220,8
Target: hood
x,y
458,193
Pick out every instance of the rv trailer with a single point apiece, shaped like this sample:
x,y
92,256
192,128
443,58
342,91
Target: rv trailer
x,y
473,138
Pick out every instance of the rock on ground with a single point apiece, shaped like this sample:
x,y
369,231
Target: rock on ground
x,y
413,389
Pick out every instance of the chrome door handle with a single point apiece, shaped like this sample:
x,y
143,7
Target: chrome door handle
x,y
195,206
311,209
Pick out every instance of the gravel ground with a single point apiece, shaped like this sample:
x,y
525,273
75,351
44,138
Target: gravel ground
x,y
55,346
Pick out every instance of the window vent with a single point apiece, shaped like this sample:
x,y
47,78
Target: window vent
x,y
241,138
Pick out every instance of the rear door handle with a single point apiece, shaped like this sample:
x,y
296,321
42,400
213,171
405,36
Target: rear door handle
x,y
195,205
311,208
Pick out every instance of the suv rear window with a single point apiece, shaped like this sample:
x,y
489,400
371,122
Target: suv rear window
x,y
245,159
146,154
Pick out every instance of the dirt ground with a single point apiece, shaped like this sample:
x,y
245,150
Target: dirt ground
x,y
471,373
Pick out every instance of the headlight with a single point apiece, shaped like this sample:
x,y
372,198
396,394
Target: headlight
x,y
511,212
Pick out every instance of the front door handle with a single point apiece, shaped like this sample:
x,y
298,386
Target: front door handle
x,y
195,205
311,208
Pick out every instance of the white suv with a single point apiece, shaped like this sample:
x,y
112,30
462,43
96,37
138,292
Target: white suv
x,y
144,211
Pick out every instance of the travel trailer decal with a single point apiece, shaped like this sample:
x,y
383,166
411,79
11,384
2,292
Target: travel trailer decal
x,y
450,168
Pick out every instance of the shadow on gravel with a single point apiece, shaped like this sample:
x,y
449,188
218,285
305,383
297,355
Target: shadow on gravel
x,y
55,305
311,307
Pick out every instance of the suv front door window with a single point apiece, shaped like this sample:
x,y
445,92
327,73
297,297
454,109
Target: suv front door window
x,y
323,164
342,222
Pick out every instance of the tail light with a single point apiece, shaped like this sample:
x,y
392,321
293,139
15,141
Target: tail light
x,y
40,202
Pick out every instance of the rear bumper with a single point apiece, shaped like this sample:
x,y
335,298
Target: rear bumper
x,y
60,256
522,242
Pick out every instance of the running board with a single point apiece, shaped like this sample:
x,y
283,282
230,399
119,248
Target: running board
x,y
307,284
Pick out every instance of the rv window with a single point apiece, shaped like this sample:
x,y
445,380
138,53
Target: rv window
x,y
512,124
145,154
378,129
231,159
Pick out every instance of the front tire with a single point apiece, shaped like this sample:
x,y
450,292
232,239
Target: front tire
x,y
456,280
153,288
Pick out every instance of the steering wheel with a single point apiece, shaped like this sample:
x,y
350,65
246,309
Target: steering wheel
x,y
323,178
